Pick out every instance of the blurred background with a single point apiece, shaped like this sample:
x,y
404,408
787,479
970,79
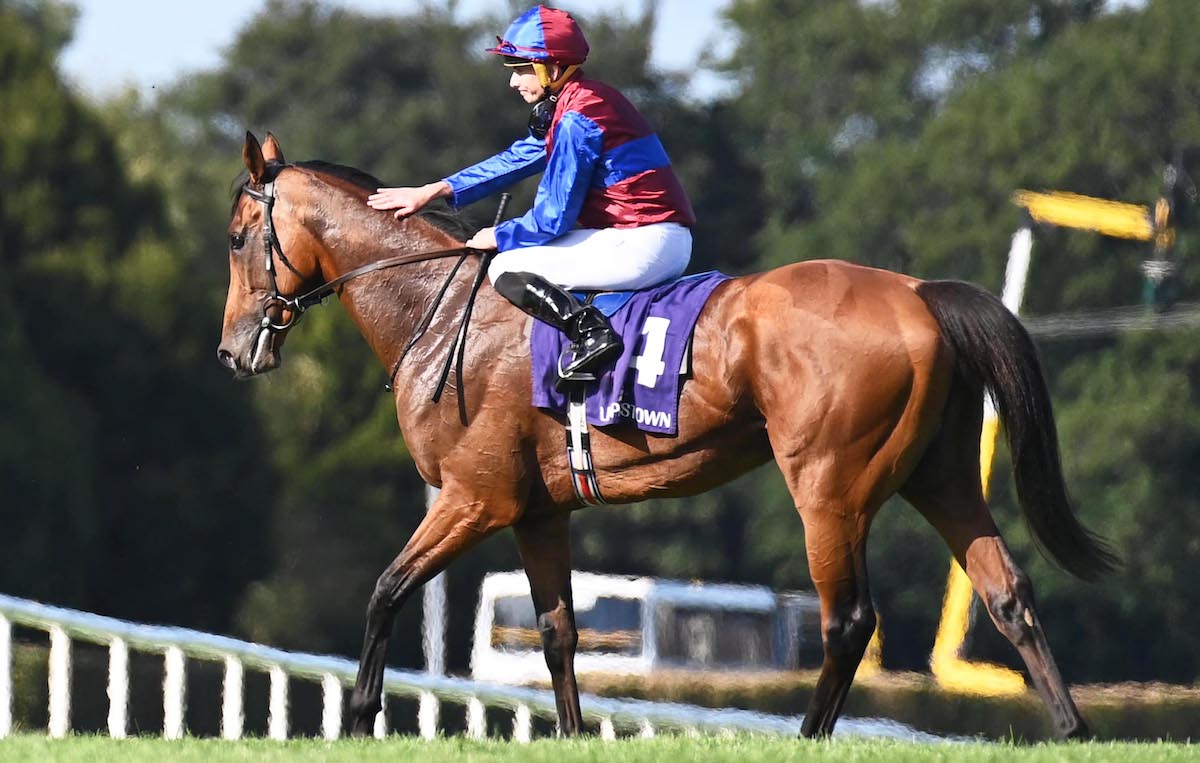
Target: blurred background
x,y
138,481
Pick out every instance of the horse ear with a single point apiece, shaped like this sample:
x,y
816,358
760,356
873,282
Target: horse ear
x,y
271,150
252,155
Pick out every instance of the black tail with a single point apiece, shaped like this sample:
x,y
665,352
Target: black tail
x,y
994,348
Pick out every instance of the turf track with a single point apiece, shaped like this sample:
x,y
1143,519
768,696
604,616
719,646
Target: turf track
x,y
740,749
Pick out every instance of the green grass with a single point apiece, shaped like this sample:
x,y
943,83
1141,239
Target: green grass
x,y
666,748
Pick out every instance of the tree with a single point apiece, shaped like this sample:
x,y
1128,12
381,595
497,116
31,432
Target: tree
x,y
1082,100
409,99
897,141
115,470
863,75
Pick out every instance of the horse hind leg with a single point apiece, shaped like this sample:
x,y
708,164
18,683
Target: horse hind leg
x,y
949,496
836,544
837,498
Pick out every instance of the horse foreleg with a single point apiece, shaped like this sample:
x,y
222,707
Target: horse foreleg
x,y
453,524
836,544
545,547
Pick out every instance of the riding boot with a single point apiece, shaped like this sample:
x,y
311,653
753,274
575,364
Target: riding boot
x,y
593,340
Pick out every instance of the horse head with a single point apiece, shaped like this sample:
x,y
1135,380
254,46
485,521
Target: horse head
x,y
272,259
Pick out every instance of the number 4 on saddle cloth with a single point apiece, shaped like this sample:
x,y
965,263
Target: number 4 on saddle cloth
x,y
642,387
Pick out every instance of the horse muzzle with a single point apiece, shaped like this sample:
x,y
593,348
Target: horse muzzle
x,y
258,353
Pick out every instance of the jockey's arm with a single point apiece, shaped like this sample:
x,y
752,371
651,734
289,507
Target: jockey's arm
x,y
525,158
564,187
522,159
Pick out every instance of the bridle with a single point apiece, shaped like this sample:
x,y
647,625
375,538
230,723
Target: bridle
x,y
298,305
266,197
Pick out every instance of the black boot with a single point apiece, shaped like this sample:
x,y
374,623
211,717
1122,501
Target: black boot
x,y
593,340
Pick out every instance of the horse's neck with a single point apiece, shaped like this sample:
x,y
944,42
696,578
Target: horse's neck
x,y
388,305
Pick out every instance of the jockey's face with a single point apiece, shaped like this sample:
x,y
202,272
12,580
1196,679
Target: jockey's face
x,y
525,81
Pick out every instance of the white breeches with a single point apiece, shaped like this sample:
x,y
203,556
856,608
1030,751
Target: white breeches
x,y
605,259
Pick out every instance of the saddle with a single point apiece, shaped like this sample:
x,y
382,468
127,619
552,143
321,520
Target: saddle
x,y
642,385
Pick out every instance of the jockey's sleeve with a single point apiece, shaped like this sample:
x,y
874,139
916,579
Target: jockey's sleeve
x,y
560,195
525,158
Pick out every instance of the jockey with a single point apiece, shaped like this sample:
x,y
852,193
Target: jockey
x,y
609,214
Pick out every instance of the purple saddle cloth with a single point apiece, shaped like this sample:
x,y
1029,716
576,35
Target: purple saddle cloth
x,y
643,385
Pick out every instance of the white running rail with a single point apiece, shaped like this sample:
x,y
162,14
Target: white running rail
x,y
177,645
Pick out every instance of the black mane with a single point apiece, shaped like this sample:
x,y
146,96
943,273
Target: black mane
x,y
363,180
439,213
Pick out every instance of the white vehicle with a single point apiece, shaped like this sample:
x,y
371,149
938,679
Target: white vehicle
x,y
636,625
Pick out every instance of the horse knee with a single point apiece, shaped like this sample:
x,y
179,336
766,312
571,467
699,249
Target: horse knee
x,y
559,638
846,634
1012,610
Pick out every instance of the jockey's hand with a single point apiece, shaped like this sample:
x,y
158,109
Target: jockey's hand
x,y
484,239
407,201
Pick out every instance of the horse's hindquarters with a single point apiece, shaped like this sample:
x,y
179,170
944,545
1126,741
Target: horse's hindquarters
x,y
837,371
850,372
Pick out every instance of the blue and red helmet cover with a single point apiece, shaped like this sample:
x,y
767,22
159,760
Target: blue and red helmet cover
x,y
546,35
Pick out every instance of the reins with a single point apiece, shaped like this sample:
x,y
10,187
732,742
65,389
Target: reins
x,y
318,295
460,339
299,305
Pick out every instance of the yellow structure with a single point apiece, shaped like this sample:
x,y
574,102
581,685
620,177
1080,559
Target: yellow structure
x,y
872,661
1070,210
1067,210
947,664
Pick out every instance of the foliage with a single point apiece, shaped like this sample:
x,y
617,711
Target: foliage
x,y
115,469
138,481
413,99
1081,100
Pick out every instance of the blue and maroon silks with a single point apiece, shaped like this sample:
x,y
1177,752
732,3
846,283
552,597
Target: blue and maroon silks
x,y
643,385
603,167
543,34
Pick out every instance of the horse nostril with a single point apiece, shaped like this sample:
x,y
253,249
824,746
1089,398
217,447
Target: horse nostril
x,y
226,358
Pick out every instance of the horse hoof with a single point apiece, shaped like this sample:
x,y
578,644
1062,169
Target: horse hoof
x,y
1078,731
362,723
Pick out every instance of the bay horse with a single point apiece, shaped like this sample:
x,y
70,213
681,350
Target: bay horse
x,y
859,383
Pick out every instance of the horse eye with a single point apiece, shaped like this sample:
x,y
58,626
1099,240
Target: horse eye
x,y
237,241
